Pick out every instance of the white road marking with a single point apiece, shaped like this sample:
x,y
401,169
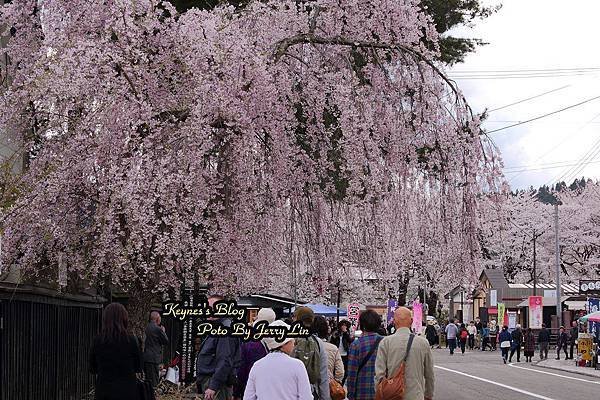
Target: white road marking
x,y
525,392
554,374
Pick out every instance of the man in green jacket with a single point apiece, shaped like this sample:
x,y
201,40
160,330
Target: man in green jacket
x,y
419,364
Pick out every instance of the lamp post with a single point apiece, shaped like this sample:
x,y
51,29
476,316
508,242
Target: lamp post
x,y
337,310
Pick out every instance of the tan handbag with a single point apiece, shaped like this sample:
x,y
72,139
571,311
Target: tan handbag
x,y
393,388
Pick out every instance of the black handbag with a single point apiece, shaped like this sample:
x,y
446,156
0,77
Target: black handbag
x,y
145,391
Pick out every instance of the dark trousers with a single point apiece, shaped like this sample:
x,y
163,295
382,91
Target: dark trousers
x,y
559,348
543,350
493,342
345,361
571,350
505,352
151,373
463,343
452,345
202,383
485,343
516,348
471,341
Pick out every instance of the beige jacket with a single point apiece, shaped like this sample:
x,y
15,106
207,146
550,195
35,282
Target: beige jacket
x,y
334,362
419,365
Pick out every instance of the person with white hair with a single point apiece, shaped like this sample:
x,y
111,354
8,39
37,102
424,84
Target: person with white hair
x,y
277,375
251,353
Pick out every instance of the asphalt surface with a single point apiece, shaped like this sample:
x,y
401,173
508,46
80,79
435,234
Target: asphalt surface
x,y
483,375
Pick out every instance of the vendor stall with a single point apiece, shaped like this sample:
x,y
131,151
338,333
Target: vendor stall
x,y
587,351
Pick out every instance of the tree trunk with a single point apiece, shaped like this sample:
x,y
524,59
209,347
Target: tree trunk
x,y
139,307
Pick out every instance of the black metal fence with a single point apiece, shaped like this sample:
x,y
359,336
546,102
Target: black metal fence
x,y
45,341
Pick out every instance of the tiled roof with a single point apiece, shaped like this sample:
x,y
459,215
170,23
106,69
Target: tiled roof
x,y
495,276
566,288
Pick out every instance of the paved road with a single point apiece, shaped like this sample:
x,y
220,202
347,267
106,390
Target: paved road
x,y
483,375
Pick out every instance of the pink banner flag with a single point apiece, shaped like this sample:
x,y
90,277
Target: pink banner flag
x,y
536,312
417,317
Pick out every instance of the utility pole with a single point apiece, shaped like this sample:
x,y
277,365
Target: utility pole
x,y
337,310
557,260
425,298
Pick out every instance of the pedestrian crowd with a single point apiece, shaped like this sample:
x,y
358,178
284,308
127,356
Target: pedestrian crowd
x,y
331,363
480,336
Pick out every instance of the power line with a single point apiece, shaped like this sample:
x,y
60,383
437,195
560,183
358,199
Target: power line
x,y
579,169
592,152
529,98
511,121
500,77
551,167
545,115
527,70
540,165
559,143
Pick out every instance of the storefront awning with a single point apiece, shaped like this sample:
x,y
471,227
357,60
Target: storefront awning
x,y
576,304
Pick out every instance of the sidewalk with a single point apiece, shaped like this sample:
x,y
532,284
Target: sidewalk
x,y
568,366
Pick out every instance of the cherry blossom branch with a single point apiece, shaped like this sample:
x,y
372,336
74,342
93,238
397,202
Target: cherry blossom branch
x,y
282,46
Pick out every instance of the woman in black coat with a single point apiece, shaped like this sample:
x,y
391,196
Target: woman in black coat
x,y
430,334
115,357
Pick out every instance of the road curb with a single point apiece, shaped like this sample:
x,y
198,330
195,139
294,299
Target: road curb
x,y
567,370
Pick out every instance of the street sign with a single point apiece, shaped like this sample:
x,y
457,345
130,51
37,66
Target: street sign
x,y
589,286
353,312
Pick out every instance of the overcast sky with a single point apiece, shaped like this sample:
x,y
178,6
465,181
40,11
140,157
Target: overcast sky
x,y
561,40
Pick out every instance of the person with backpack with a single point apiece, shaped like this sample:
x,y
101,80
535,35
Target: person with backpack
x,y
217,362
361,358
463,337
311,351
251,352
277,375
407,357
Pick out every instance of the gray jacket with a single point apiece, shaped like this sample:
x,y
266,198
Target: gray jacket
x,y
323,389
155,340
